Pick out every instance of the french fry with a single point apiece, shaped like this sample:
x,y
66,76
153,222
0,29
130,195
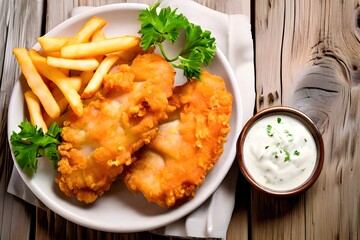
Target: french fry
x,y
76,82
85,76
65,71
60,79
99,75
91,26
88,51
52,44
36,83
53,54
34,106
74,64
98,36
93,49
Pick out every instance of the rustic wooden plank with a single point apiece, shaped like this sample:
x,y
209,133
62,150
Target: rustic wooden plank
x,y
238,227
20,24
317,70
42,230
269,24
272,218
3,23
334,56
228,6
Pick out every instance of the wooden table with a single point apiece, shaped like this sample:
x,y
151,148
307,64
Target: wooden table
x,y
307,55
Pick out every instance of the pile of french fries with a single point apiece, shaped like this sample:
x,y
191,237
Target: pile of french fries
x,y
68,70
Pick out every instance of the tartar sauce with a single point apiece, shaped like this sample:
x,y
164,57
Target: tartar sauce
x,y
279,152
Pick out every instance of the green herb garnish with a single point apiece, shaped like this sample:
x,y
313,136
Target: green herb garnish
x,y
287,155
289,135
297,153
269,131
278,120
158,26
31,142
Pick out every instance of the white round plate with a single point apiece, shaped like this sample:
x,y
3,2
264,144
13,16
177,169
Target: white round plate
x,y
119,210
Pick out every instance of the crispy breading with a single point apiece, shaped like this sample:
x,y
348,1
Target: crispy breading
x,y
170,169
119,120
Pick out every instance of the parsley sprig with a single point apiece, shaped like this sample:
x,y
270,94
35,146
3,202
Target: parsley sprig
x,y
31,142
158,26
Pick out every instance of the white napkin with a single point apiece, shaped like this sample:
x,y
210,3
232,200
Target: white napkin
x,y
233,36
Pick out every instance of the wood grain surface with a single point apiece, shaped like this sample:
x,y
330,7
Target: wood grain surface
x,y
20,25
308,56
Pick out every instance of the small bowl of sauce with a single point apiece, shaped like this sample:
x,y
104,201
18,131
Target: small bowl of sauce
x,y
280,151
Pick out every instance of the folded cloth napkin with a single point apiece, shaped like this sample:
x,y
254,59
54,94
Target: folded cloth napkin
x,y
233,36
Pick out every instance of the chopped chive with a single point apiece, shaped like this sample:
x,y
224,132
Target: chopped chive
x,y
287,158
278,120
266,147
268,130
296,153
290,137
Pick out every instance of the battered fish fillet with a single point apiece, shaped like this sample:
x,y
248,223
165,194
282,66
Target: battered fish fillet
x,y
176,162
119,120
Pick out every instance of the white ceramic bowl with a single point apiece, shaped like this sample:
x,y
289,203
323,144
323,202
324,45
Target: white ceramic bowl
x,y
118,210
